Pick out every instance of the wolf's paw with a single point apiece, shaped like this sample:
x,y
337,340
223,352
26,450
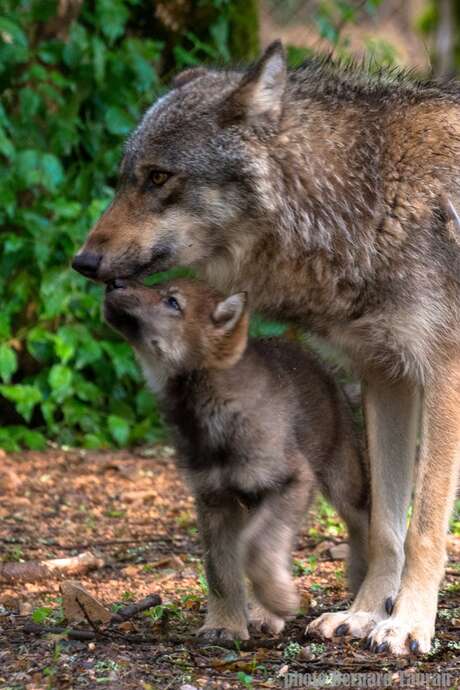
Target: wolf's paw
x,y
212,634
398,636
343,623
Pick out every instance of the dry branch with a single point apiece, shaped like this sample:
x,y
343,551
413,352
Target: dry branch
x,y
38,629
31,571
132,610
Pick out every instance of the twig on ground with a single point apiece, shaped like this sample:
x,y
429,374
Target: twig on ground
x,y
131,610
38,629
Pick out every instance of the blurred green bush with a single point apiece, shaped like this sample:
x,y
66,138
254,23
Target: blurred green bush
x,y
66,107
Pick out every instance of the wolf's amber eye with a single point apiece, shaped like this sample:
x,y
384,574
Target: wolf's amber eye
x,y
158,177
173,303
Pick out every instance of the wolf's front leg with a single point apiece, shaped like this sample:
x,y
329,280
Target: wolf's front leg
x,y
221,526
392,414
411,625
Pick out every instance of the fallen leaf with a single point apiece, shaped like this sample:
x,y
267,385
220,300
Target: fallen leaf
x,y
9,481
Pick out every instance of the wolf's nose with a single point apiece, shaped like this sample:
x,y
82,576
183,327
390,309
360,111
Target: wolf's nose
x,y
87,263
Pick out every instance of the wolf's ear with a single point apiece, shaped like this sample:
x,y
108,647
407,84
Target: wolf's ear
x,y
187,76
260,93
227,313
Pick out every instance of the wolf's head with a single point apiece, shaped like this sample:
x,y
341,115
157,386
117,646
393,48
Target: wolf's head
x,y
192,174
178,326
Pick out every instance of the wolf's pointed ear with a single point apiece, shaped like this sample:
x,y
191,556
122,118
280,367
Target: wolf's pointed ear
x,y
227,313
260,93
187,76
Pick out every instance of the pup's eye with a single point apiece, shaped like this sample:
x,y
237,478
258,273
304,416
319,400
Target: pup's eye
x,y
172,303
158,177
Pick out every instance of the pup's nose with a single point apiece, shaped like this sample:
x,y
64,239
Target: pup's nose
x,y
116,284
87,263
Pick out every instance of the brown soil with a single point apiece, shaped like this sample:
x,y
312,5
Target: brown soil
x,y
134,510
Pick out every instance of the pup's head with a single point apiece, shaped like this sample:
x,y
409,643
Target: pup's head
x,y
193,179
181,325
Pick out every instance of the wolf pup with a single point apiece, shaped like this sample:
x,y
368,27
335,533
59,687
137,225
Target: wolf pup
x,y
333,197
255,423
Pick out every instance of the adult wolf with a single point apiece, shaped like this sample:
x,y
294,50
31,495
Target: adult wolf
x,y
332,197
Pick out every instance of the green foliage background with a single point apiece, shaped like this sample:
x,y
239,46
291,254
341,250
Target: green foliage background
x,y
67,104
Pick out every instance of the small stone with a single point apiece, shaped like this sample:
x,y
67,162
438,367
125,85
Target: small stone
x,y
323,547
79,604
188,687
306,654
339,552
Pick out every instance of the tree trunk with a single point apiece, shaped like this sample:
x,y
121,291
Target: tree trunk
x,y
244,29
445,40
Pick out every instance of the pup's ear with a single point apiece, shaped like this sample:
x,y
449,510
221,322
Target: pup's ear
x,y
260,93
187,76
228,313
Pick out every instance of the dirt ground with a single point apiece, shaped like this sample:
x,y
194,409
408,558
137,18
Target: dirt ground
x,y
135,512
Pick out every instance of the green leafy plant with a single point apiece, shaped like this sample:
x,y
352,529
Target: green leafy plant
x,y
42,614
245,679
162,612
300,568
292,650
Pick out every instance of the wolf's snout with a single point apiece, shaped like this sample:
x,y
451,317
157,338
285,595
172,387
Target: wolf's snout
x,y
87,263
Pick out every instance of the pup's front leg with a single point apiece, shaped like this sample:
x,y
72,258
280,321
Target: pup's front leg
x,y
411,625
221,525
270,539
392,414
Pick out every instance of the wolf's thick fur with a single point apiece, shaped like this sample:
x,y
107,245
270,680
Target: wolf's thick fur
x,y
256,423
333,197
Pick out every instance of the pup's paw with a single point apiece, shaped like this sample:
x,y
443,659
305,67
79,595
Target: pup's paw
x,y
212,634
343,624
398,636
265,622
280,598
